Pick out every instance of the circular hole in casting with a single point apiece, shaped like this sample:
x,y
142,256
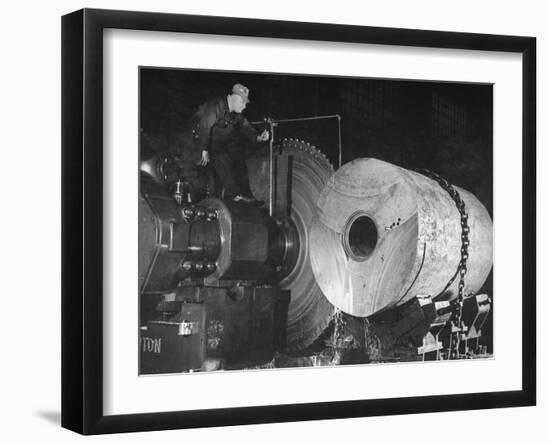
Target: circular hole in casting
x,y
361,237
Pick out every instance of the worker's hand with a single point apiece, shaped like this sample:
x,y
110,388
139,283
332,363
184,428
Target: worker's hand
x,y
205,158
264,136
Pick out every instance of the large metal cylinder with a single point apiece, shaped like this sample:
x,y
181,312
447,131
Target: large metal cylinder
x,y
252,246
384,234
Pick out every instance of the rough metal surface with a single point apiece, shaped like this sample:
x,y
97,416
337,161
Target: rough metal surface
x,y
309,311
416,241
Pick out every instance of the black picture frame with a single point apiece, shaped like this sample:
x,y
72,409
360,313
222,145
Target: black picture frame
x,y
82,218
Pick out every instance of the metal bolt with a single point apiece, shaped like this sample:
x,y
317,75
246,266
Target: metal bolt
x,y
188,212
212,215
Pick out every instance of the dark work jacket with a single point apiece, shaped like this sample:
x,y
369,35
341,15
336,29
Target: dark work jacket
x,y
215,129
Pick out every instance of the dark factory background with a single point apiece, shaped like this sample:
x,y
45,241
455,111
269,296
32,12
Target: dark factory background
x,y
444,127
441,126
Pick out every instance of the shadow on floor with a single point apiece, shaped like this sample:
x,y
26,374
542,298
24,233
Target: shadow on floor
x,y
54,417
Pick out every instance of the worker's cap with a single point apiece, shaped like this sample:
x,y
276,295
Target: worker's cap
x,y
242,91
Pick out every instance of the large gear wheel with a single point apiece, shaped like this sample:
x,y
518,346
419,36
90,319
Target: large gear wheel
x,y
309,312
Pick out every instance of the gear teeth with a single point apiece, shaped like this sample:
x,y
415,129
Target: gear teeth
x,y
316,162
290,143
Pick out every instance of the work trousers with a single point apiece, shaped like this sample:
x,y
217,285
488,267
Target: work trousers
x,y
232,174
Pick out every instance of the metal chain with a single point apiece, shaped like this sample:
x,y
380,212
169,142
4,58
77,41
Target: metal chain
x,y
462,268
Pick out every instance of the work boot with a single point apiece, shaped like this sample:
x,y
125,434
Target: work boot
x,y
249,200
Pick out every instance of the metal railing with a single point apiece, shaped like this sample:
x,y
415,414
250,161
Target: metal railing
x,y
273,123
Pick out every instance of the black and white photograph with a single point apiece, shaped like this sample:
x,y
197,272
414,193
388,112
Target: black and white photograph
x,y
295,221
275,222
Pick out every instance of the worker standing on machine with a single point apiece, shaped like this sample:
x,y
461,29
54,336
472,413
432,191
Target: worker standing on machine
x,y
215,137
